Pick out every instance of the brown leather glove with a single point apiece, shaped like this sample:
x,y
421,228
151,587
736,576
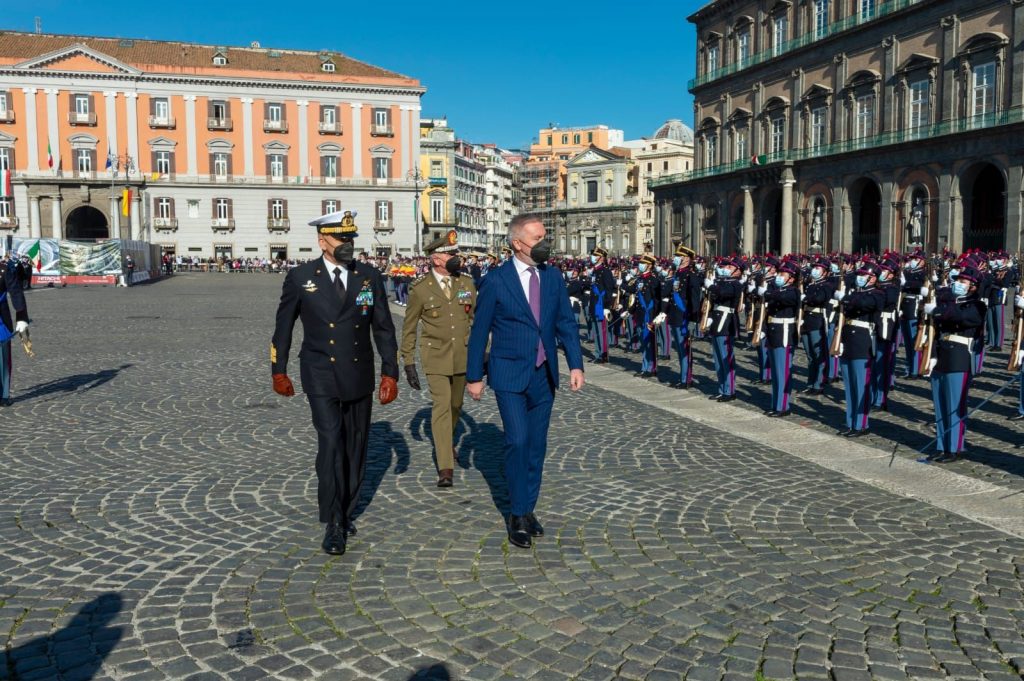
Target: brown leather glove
x,y
388,389
283,385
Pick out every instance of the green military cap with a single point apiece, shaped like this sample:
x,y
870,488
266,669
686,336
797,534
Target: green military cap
x,y
446,243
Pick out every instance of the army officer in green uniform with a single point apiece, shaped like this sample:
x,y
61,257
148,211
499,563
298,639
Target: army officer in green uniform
x,y
443,302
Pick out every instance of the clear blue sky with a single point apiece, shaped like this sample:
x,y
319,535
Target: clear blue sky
x,y
498,70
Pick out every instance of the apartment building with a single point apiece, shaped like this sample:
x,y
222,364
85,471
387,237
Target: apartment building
x,y
220,147
852,125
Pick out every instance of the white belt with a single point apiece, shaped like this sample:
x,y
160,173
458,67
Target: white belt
x,y
724,308
726,311
957,338
785,321
888,315
911,297
864,325
816,310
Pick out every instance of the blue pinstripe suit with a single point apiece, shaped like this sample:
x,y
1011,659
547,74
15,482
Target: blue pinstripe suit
x,y
524,392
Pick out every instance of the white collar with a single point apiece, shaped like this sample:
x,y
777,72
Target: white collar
x,y
521,267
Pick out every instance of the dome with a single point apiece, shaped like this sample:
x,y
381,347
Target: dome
x,y
675,129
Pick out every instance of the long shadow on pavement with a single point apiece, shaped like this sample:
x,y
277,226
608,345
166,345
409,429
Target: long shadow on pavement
x,y
76,651
75,383
386,446
483,448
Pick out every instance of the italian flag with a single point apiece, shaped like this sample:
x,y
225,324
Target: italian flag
x,y
49,155
35,255
758,160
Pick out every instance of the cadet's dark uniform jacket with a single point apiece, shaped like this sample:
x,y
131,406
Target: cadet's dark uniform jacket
x,y
336,358
781,304
861,308
678,309
10,286
959,322
817,298
887,322
602,291
648,296
725,296
912,292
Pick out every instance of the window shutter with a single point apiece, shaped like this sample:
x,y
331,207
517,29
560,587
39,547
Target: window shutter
x,y
323,166
92,160
71,102
270,208
152,106
266,110
92,104
213,208
323,207
268,164
172,208
284,111
230,171
284,165
389,117
152,161
231,208
391,211
227,108
284,208
213,165
209,108
12,159
156,206
7,100
173,169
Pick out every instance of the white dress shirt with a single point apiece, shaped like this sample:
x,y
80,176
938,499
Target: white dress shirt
x,y
330,271
440,281
522,269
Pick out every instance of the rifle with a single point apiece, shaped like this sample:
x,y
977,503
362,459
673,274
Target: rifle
x,y
1018,335
837,337
705,313
922,320
926,337
800,307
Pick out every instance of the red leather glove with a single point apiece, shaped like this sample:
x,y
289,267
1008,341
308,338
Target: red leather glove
x,y
388,389
283,385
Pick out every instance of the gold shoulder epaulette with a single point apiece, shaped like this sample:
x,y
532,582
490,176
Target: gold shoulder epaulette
x,y
417,280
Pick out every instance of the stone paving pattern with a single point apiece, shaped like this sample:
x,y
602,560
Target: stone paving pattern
x,y
158,518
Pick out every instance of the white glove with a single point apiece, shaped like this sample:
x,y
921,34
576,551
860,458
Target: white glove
x,y
623,315
574,301
925,291
903,279
708,282
607,315
761,290
803,297
761,337
935,278
839,295
743,279
659,319
929,308
20,327
750,287
1019,301
1020,357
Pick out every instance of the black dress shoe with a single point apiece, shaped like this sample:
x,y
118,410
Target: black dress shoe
x,y
334,540
518,532
770,412
533,526
6,402
715,397
945,458
858,433
351,529
845,432
727,398
1017,417
778,414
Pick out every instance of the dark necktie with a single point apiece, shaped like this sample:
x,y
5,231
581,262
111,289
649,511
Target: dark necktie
x,y
339,283
535,308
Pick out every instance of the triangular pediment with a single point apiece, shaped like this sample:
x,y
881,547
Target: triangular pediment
x,y
78,58
593,155
918,61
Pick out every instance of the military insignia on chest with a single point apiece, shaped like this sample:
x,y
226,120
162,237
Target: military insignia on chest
x,y
364,298
309,286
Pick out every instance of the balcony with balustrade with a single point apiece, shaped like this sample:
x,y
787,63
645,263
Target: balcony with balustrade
x,y
162,122
76,118
165,224
270,125
278,224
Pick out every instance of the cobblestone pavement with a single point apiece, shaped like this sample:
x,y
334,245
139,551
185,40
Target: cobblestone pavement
x,y
158,522
995,446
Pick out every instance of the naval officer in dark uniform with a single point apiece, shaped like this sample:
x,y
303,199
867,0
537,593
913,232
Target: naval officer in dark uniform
x,y
341,303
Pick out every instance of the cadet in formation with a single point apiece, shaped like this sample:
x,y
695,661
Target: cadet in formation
x,y
10,287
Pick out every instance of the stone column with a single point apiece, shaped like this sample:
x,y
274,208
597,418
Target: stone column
x,y
749,237
115,217
247,136
945,213
1013,210
886,236
786,228
31,134
34,226
136,216
57,216
132,119
950,65
304,168
357,140
190,136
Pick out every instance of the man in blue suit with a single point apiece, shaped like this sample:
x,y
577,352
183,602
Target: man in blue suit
x,y
523,309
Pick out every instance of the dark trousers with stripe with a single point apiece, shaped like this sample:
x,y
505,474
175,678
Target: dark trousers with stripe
x,y
908,330
681,341
5,369
994,328
857,384
834,370
949,396
764,359
599,331
725,364
342,432
526,417
782,367
882,372
816,347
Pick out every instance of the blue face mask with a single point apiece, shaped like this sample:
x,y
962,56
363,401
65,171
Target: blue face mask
x,y
960,288
816,273
780,280
643,267
835,268
722,272
593,259
676,260
862,280
953,274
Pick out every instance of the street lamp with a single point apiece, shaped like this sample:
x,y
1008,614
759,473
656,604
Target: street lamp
x,y
417,179
116,163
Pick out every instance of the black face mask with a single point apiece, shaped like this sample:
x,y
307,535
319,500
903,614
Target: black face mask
x,y
453,265
541,252
344,252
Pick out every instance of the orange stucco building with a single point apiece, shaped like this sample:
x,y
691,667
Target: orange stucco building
x,y
219,145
